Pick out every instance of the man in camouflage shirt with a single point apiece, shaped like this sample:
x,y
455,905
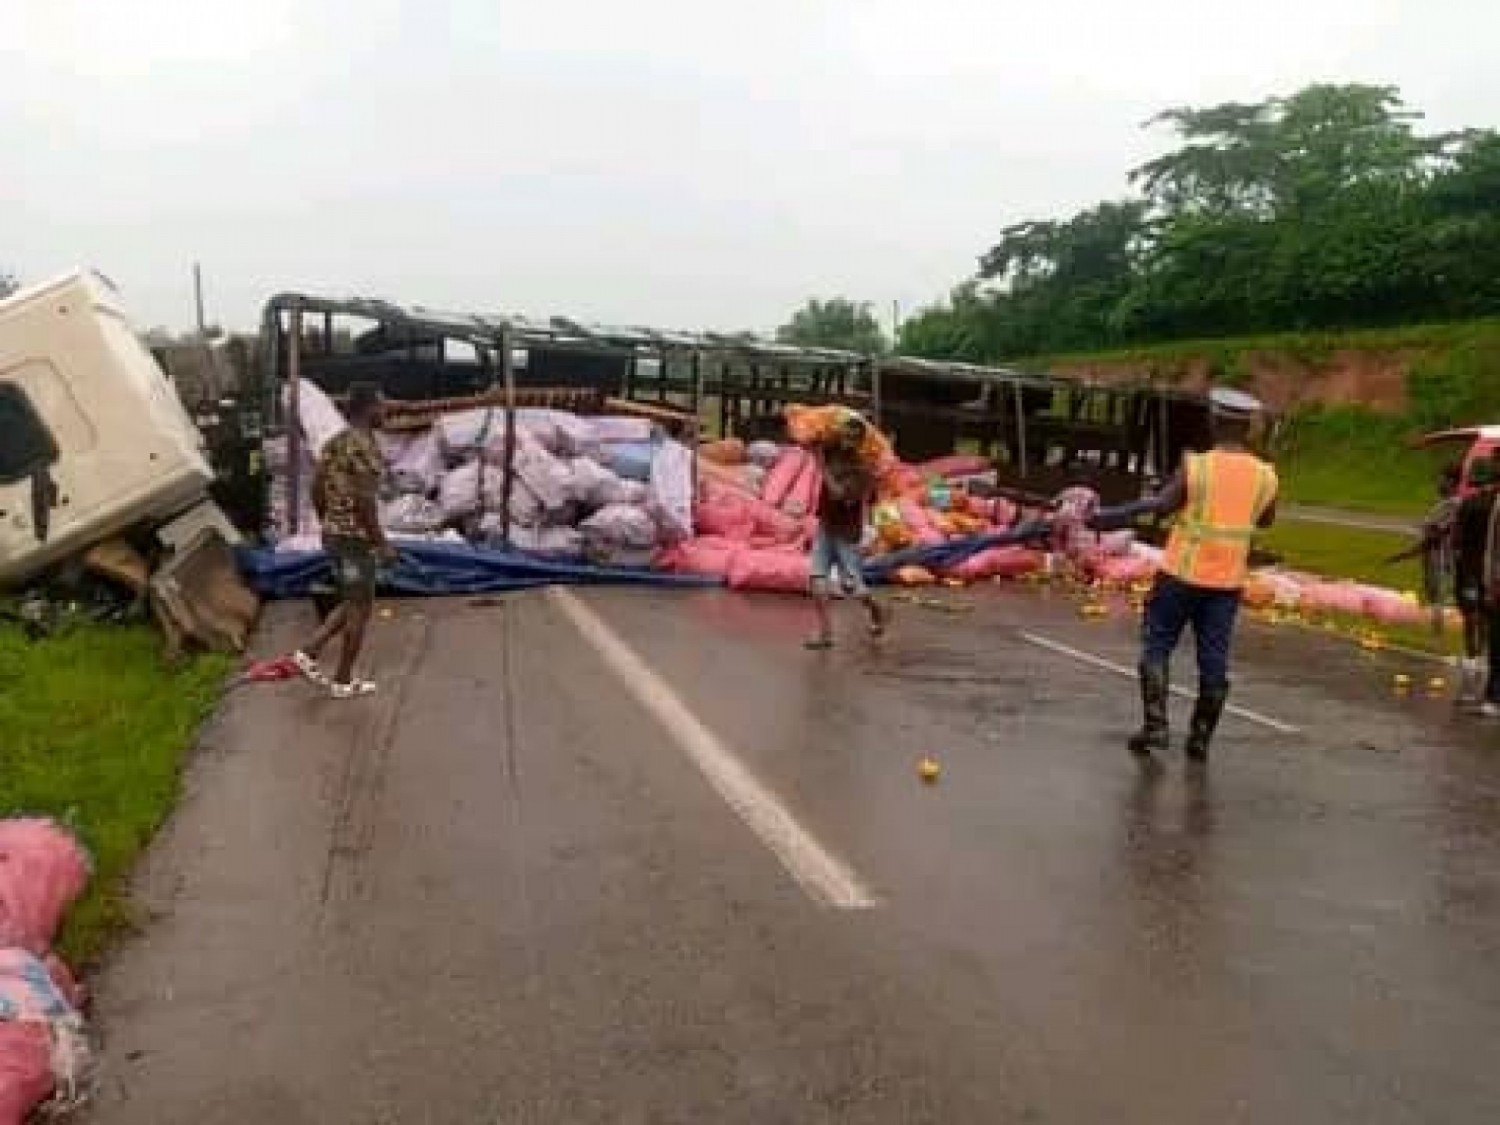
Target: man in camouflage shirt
x,y
346,495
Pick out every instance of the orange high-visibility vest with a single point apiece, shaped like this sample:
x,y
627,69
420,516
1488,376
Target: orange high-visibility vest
x,y
1227,493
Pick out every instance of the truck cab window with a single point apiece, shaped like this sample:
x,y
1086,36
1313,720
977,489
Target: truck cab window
x,y
27,447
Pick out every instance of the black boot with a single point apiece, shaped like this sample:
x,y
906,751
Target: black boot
x,y
1206,713
1152,737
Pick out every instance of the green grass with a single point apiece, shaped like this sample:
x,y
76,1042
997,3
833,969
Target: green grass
x,y
1350,457
1343,552
1357,461
93,731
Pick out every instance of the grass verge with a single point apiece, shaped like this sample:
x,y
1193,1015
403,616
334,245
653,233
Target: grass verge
x,y
93,731
1343,552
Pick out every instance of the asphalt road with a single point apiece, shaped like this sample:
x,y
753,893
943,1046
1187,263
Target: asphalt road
x,y
628,856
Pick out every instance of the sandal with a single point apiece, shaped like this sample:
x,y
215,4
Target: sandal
x,y
354,689
818,644
309,668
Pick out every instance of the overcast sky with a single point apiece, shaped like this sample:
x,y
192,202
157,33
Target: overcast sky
x,y
681,163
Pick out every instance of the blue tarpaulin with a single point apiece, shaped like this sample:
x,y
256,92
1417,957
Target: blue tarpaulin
x,y
953,552
443,568
454,568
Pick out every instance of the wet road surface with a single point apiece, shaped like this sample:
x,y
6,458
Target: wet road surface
x,y
518,887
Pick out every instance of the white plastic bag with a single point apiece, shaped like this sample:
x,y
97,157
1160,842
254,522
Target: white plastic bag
x,y
548,478
619,525
411,514
613,429
763,454
321,421
671,489
415,460
561,433
461,495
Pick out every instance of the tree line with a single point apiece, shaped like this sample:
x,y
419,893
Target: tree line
x,y
1326,209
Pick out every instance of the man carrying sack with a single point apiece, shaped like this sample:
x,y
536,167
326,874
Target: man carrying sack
x,y
1219,498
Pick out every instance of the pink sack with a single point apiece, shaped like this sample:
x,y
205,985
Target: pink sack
x,y
706,555
1333,597
1125,569
783,475
920,523
802,498
999,562
724,513
775,525
1113,543
1390,608
776,570
43,870
955,465
904,479
25,1069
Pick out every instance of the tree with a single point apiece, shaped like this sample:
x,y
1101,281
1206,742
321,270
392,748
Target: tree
x,y
8,284
1326,208
835,323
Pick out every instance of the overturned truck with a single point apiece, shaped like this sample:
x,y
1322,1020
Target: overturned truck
x,y
101,467
474,395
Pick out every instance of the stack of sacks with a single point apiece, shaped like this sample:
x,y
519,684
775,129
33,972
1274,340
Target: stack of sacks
x,y
44,1052
566,499
760,541
610,489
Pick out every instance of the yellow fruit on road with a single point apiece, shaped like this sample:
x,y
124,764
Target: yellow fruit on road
x,y
928,770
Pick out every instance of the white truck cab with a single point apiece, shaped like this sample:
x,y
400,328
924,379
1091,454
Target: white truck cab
x,y
93,439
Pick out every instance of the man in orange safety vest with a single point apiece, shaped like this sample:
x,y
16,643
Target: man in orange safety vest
x,y
1219,498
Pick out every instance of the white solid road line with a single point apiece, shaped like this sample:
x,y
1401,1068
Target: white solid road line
x,y
1120,669
822,875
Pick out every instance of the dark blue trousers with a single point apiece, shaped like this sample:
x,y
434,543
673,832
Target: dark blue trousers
x,y
1171,606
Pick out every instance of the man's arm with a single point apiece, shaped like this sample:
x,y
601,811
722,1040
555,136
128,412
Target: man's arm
x,y
1268,517
1171,498
367,511
367,501
320,490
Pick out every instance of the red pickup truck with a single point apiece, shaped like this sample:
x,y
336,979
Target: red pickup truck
x,y
1477,442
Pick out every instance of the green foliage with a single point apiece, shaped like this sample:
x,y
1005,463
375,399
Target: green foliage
x,y
1325,209
95,730
1459,385
835,323
1352,458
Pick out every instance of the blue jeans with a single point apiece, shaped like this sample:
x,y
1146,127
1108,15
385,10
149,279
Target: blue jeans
x,y
829,551
1171,606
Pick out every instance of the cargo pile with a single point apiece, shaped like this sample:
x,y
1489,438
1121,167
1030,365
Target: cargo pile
x,y
45,1057
615,492
610,491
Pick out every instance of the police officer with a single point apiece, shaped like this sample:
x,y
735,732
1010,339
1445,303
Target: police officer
x,y
1219,498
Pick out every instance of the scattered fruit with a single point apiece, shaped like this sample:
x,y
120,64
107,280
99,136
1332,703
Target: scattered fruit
x,y
928,770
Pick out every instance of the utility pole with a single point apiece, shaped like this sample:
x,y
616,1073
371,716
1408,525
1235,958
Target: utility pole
x,y
198,300
895,323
